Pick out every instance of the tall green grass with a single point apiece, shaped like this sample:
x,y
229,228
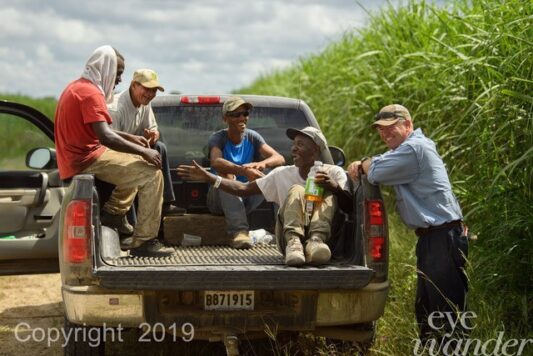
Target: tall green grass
x,y
465,73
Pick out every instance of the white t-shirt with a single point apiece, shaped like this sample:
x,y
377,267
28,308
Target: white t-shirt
x,y
275,185
127,118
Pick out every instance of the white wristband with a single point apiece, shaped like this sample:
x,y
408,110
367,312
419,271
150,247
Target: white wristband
x,y
217,182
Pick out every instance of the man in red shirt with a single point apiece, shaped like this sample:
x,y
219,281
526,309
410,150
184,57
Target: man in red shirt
x,y
86,143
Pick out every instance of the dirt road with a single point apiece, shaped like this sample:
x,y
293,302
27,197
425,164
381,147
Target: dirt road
x,y
31,310
33,303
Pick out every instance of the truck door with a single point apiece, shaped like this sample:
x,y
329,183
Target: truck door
x,y
30,198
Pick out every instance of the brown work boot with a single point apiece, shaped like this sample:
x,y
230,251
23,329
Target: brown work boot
x,y
316,251
119,222
241,240
152,248
294,252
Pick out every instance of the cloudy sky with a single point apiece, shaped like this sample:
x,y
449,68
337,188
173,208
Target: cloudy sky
x,y
201,46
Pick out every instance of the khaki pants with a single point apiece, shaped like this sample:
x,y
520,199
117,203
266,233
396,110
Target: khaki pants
x,y
291,217
131,175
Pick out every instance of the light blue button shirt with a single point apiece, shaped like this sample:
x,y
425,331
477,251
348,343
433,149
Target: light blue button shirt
x,y
424,194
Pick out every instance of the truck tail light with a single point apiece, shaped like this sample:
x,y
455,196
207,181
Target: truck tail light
x,y
376,229
377,245
212,99
376,238
77,230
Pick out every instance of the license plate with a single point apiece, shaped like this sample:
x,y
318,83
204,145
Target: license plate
x,y
229,300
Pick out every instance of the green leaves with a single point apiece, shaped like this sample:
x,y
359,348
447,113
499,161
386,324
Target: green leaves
x,y
465,72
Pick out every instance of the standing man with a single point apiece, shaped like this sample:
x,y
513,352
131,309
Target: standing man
x,y
132,113
85,143
285,187
238,153
426,203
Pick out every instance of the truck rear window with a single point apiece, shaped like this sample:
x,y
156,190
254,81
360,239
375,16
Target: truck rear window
x,y
186,129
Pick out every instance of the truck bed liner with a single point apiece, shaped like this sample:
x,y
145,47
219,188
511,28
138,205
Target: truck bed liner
x,y
207,255
221,267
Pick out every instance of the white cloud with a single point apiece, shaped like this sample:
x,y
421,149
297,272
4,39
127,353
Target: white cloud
x,y
196,46
43,53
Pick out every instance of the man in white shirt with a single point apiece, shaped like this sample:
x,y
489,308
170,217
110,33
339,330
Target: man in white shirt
x,y
132,113
285,186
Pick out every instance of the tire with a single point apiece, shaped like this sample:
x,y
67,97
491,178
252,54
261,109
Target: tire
x,y
79,342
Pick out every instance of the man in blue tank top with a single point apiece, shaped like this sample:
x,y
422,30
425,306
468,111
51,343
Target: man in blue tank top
x,y
238,153
426,203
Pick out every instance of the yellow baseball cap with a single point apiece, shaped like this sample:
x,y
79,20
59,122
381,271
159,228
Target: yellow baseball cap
x,y
147,78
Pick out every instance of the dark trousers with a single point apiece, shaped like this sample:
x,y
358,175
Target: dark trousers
x,y
441,283
168,191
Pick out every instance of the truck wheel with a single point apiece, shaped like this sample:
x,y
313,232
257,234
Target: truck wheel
x,y
80,340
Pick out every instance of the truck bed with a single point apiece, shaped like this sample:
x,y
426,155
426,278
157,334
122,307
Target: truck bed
x,y
207,256
221,267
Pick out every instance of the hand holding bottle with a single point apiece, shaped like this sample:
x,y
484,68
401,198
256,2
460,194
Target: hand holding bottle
x,y
324,180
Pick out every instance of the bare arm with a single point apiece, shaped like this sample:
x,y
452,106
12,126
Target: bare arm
x,y
229,169
355,167
272,159
138,140
109,138
198,173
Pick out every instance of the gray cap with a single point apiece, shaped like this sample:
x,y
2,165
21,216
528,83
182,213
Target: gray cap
x,y
233,102
313,133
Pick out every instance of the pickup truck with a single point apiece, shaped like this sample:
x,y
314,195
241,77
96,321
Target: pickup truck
x,y
219,293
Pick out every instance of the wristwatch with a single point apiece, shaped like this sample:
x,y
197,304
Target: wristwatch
x,y
361,171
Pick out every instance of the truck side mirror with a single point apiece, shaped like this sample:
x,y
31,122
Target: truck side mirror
x,y
41,158
339,159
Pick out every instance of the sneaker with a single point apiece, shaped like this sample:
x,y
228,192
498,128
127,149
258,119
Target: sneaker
x,y
316,251
170,209
242,240
294,252
119,222
152,248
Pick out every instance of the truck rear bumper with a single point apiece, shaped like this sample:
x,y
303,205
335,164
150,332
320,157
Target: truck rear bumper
x,y
351,307
92,305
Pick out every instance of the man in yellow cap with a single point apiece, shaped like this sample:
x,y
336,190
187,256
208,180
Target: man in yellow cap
x,y
132,113
86,144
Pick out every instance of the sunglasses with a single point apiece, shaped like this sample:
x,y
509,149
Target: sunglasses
x,y
238,114
388,115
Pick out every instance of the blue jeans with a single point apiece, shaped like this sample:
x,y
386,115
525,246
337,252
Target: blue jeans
x,y
233,208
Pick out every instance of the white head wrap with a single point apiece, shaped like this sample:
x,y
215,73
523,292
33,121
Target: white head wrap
x,y
101,69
